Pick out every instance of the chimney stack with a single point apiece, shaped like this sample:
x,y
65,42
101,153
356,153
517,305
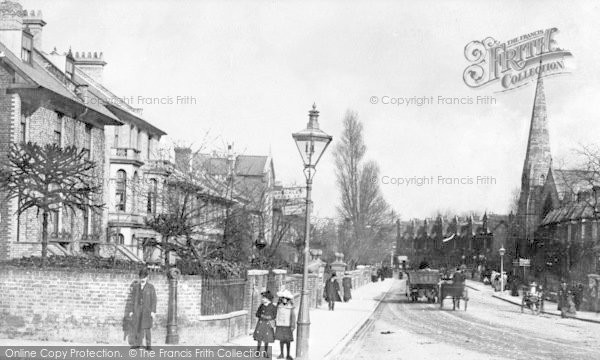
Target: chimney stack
x,y
34,21
91,63
11,26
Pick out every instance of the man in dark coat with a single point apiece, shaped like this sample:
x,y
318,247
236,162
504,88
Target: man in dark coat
x,y
562,298
458,277
142,309
347,286
332,291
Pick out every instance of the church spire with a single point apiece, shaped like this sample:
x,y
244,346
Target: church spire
x,y
535,168
537,157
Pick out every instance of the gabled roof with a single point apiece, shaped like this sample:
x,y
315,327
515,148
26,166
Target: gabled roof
x,y
251,165
115,104
205,184
213,165
245,165
39,74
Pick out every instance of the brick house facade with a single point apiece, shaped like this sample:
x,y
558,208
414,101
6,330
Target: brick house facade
x,y
43,103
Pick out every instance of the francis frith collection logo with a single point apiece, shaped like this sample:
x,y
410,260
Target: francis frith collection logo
x,y
514,62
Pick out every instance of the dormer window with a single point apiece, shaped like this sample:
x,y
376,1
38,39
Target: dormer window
x,y
27,45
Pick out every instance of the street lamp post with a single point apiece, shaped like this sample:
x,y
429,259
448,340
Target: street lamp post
x,y
502,251
311,143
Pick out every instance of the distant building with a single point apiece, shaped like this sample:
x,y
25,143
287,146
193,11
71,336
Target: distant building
x,y
250,175
441,240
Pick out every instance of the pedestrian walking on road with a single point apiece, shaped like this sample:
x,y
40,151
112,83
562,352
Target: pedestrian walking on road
x,y
141,309
285,323
265,328
332,291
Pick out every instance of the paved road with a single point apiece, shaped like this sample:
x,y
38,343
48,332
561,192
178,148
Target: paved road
x,y
489,329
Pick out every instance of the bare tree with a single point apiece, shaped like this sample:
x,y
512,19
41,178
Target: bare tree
x,y
48,178
362,203
189,206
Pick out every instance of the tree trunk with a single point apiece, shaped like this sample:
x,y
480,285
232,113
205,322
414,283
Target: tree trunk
x,y
44,236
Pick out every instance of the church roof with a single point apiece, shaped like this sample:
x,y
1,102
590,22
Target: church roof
x,y
570,182
571,212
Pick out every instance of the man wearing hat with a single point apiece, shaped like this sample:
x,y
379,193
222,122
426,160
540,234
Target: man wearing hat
x,y
332,291
142,309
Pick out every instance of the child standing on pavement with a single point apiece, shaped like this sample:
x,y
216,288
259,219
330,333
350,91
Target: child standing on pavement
x,y
266,313
285,322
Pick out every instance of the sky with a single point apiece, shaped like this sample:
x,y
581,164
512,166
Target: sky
x,y
254,69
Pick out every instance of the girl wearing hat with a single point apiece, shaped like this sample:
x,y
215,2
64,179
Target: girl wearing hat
x,y
266,313
285,322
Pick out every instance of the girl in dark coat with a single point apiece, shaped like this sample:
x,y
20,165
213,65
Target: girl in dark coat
x,y
332,291
266,313
285,322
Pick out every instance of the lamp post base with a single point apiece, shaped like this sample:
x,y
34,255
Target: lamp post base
x,y
172,336
302,345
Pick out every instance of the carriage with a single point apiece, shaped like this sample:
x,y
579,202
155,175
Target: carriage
x,y
456,291
423,283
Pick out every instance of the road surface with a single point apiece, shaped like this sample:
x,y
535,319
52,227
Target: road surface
x,y
489,329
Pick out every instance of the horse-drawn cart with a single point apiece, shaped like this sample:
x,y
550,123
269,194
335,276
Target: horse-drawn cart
x,y
456,291
423,283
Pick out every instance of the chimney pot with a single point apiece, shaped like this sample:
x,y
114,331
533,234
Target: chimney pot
x,y
91,63
34,23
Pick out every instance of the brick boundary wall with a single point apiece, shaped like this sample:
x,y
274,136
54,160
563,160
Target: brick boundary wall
x,y
84,306
88,306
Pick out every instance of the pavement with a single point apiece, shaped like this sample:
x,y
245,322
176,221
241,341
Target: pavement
x,y
330,331
550,307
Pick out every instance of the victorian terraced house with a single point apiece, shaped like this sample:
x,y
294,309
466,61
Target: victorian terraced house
x,y
44,102
60,98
